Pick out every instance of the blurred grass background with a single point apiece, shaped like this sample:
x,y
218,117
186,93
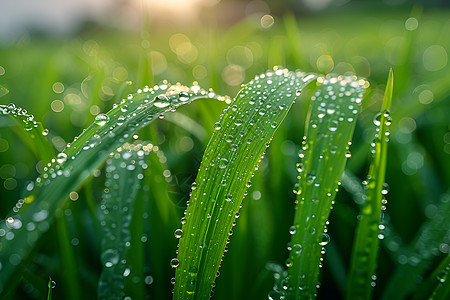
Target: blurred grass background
x,y
67,79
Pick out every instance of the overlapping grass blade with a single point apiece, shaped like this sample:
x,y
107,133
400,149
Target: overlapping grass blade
x,y
436,285
31,131
429,241
325,149
366,243
33,215
238,143
124,174
442,289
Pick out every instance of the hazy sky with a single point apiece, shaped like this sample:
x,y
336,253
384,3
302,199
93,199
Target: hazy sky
x,y
65,16
58,16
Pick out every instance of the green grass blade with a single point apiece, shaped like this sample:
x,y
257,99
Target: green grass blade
x,y
69,261
366,243
442,289
124,174
240,139
51,286
35,135
420,254
436,286
294,40
33,215
330,125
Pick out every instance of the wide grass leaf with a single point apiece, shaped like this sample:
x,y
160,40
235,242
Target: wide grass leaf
x,y
33,215
233,153
331,121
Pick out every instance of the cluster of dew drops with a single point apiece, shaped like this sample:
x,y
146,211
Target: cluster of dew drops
x,y
171,96
254,90
133,158
347,86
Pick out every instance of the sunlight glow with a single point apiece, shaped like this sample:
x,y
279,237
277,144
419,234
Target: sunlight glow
x,y
183,10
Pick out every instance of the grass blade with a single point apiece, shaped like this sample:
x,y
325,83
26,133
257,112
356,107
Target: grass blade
x,y
124,173
36,211
240,139
366,243
51,286
437,284
442,289
330,125
429,240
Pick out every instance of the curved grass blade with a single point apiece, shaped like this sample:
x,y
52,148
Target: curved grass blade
x,y
330,125
233,153
33,215
35,135
124,174
366,243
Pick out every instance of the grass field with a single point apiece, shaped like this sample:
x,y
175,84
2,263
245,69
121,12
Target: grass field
x,y
68,84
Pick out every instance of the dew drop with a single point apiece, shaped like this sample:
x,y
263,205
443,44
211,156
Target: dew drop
x,y
101,119
174,263
110,257
377,119
292,229
183,96
161,101
333,125
61,157
193,271
228,197
297,248
178,233
148,280
217,126
223,163
325,239
120,120
288,264
310,177
385,189
441,276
